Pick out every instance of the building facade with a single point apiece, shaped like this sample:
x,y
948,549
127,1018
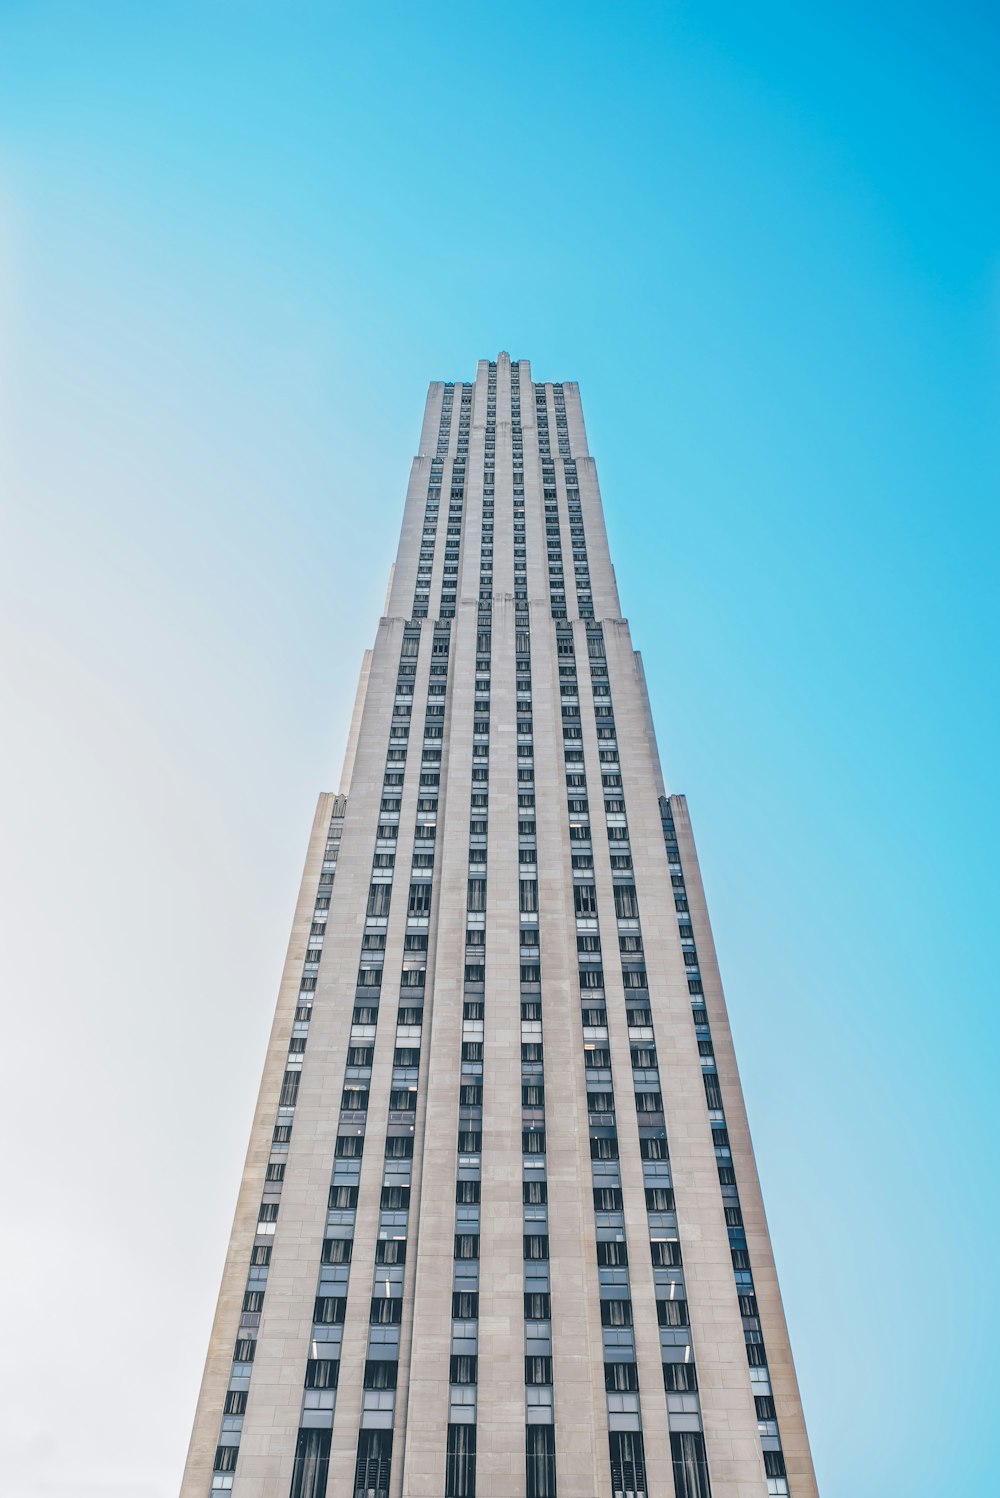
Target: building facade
x,y
500,1230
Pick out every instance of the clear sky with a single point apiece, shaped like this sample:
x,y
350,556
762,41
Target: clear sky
x,y
237,238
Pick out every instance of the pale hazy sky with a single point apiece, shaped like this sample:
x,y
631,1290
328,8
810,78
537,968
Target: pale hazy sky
x,y
237,238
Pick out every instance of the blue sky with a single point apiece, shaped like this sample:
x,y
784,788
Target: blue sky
x,y
236,240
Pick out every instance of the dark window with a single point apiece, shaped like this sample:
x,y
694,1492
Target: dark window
x,y
626,903
621,1376
371,1473
687,1448
672,1313
420,904
343,1196
463,1369
679,1377
540,1461
329,1310
659,1199
628,1462
538,1370
379,896
390,1251
585,899
322,1373
380,1373
460,1462
337,1250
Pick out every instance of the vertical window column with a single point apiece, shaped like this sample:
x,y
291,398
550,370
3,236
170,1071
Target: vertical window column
x,y
309,1476
234,1408
691,1479
578,542
553,542
425,560
428,538
460,1451
621,1373
382,1361
453,539
539,1392
760,1383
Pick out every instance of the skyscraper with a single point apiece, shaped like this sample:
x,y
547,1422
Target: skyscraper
x,y
500,1230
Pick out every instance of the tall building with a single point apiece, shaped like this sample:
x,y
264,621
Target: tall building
x,y
500,1230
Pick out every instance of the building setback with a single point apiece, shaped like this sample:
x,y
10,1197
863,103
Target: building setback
x,y
500,1230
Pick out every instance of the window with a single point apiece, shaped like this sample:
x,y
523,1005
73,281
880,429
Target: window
x,y
460,1462
687,1449
537,1370
380,1374
379,896
322,1373
337,1251
420,899
540,1461
328,1310
628,1462
621,1377
626,903
371,1474
390,1251
585,899
672,1313
312,1461
679,1378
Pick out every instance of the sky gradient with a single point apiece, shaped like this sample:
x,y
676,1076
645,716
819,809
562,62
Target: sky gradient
x,y
237,239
